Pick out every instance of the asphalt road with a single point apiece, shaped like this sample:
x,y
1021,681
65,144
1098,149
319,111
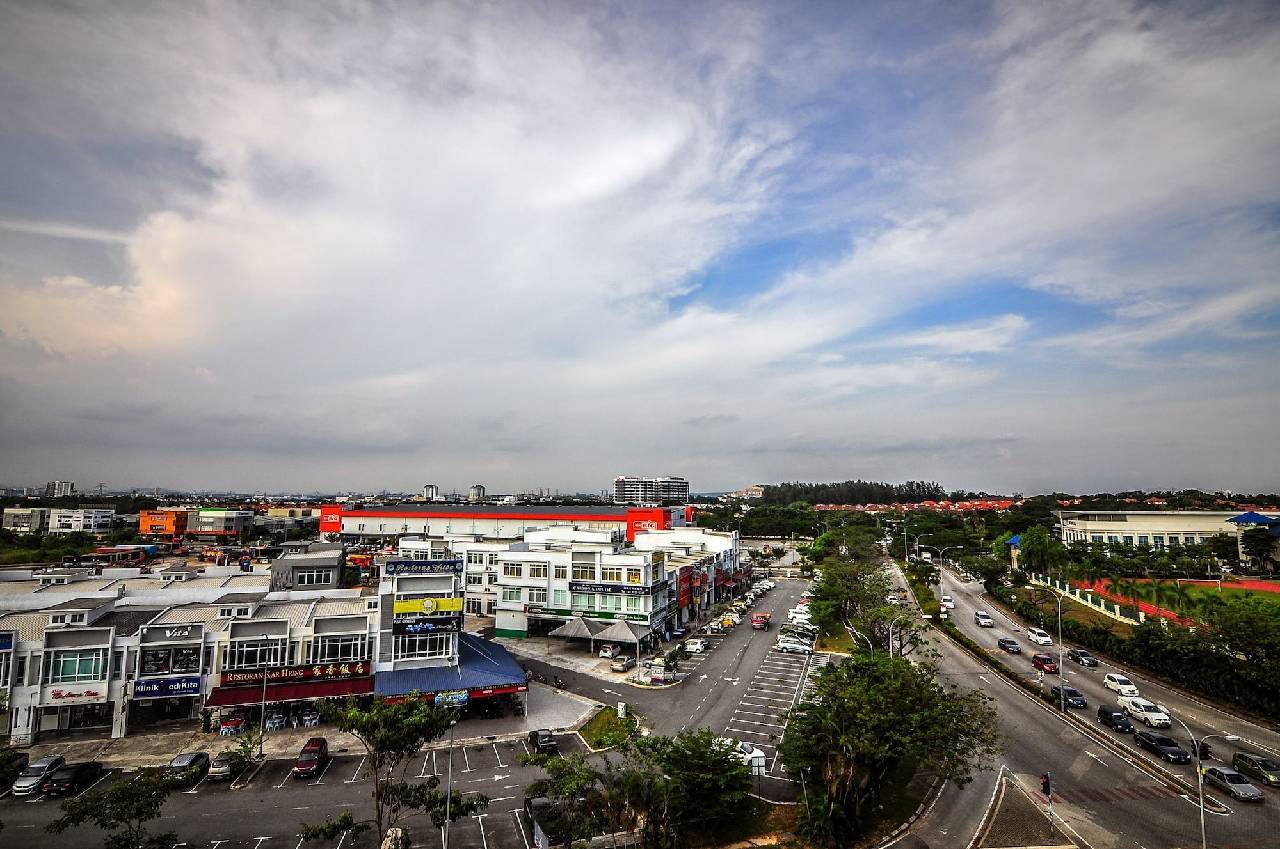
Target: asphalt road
x,y
266,814
1104,797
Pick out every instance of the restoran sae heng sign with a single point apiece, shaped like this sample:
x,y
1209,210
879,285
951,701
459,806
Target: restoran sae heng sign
x,y
284,674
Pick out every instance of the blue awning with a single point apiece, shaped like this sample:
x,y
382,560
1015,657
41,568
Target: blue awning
x,y
481,665
1015,540
1252,518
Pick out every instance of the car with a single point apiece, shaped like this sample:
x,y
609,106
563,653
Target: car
x,y
696,646
30,779
312,759
658,662
70,779
1119,684
1113,717
1148,713
791,646
891,598
1039,637
1007,644
622,663
948,602
189,768
543,742
983,619
1162,746
221,768
1256,766
1082,657
1231,782
1072,697
1045,663
797,634
610,650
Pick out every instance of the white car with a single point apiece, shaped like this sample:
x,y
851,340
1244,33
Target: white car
x,y
1039,637
792,646
948,602
983,619
695,646
1120,684
1148,713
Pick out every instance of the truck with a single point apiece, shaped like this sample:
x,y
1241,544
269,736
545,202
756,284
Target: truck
x,y
760,621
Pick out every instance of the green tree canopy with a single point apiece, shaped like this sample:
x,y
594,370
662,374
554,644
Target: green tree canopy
x,y
122,809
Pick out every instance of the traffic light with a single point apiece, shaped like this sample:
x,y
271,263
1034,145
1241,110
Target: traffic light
x,y
1046,784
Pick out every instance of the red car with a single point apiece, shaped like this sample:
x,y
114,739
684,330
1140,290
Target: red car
x,y
1045,663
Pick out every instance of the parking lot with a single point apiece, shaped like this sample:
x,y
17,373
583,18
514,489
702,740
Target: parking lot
x,y
772,691
267,812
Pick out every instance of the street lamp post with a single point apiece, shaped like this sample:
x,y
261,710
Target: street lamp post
x,y
262,715
853,630
448,786
1195,748
895,621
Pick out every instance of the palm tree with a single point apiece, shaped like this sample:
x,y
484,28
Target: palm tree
x,y
1162,594
1180,597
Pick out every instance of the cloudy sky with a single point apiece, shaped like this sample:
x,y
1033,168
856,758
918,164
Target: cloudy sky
x,y
1009,247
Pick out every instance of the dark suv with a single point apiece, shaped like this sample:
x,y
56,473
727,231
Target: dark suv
x,y
543,742
1162,745
72,778
312,758
1069,696
1112,717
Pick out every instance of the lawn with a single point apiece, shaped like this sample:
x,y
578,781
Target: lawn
x,y
1074,611
605,730
758,820
1199,592
841,643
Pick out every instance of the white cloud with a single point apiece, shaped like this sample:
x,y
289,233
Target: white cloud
x,y
980,337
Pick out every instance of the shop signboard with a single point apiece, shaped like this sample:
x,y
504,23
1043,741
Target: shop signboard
x,y
6,641
422,567
452,698
166,688
74,694
610,589
286,674
425,624
427,606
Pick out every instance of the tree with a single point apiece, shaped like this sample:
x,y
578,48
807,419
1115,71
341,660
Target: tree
x,y
700,783
392,733
122,810
1257,544
574,787
1039,550
1225,549
869,715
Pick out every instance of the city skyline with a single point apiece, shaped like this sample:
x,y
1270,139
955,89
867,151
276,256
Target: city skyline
x,y
1002,248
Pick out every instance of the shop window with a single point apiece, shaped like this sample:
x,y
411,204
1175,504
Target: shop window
x,y
610,602
562,572
633,603
512,570
634,575
537,595
560,598
73,666
584,601
538,570
313,577
584,571
253,654
611,574
512,594
423,646
474,606
335,649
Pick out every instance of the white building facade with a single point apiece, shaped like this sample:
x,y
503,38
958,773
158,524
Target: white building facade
x,y
90,520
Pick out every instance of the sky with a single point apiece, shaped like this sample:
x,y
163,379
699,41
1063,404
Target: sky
x,y
1013,247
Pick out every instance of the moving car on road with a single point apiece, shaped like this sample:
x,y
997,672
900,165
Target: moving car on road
x,y
983,619
1120,684
30,779
1039,637
72,778
1162,746
1008,644
1045,663
1082,657
948,603
1148,713
1232,782
1113,717
1258,767
312,759
1072,697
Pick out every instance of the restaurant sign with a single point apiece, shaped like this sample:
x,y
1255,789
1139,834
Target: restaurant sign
x,y
74,694
421,567
452,698
427,606
286,674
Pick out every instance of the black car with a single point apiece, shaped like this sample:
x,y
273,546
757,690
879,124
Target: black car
x,y
1008,644
1112,717
189,768
1072,697
543,742
1082,657
72,778
1162,745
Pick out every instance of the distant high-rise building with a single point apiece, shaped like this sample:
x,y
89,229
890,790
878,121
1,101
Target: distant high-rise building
x,y
430,492
476,494
59,489
636,490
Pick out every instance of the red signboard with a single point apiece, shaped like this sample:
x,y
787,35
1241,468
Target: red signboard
x,y
284,674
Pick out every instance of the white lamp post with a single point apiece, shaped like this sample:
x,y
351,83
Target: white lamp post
x,y
1195,749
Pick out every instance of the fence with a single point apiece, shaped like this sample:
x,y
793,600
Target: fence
x,y
1119,612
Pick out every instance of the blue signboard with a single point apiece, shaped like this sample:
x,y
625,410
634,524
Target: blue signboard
x,y
421,567
6,641
452,698
166,688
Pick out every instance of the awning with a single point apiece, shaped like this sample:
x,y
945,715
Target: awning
x,y
234,696
482,666
623,632
577,627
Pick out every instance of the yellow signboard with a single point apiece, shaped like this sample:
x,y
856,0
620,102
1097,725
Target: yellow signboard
x,y
428,606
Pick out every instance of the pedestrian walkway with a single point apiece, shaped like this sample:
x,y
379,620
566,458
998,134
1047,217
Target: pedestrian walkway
x,y
547,708
1015,821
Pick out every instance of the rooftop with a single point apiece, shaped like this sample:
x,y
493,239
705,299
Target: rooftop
x,y
468,510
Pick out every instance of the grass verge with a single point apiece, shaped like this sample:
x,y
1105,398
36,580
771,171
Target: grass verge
x,y
1073,610
605,730
842,643
758,820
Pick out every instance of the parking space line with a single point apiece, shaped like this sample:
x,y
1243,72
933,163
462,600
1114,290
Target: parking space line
x,y
196,788
479,818
754,713
501,765
284,780
320,780
753,722
355,775
94,784
465,759
749,731
764,698
520,825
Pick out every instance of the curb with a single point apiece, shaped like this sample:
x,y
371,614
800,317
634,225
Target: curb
x,y
243,780
935,790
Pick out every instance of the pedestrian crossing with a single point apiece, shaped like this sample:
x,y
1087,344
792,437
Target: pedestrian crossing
x,y
1135,793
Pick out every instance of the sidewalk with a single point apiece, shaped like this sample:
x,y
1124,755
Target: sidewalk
x,y
548,708
553,651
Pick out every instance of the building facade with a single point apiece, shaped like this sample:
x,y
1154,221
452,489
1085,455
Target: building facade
x,y
489,521
628,489
215,523
169,525
1155,529
90,520
26,520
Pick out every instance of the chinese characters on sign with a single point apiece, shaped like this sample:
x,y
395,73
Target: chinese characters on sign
x,y
312,672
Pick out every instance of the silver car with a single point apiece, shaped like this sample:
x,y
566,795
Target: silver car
x,y
30,779
1232,782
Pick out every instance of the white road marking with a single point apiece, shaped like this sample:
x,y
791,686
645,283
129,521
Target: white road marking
x,y
320,780
1096,758
501,765
355,776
